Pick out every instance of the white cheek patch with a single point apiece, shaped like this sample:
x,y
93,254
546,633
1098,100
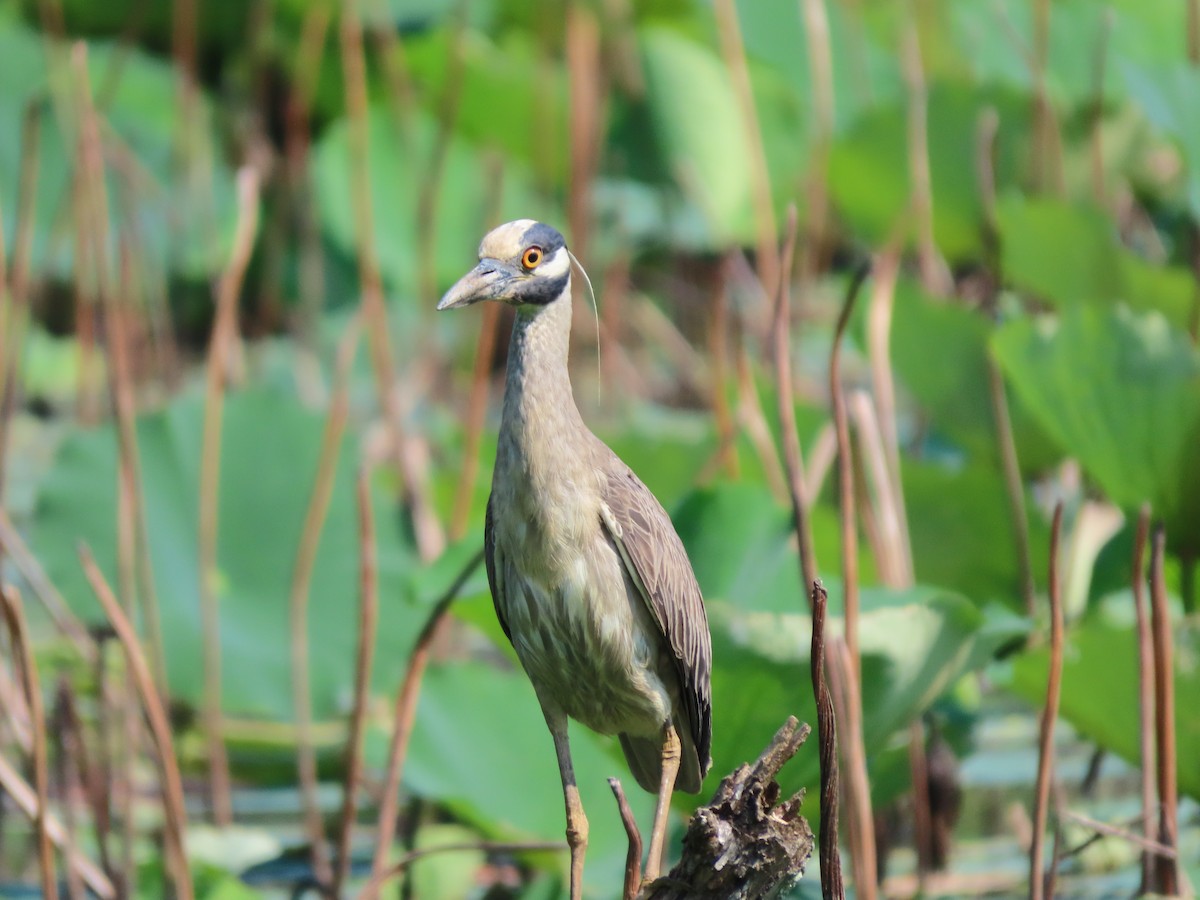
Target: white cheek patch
x,y
558,263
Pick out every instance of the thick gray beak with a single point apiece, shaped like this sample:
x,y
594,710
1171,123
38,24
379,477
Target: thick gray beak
x,y
487,281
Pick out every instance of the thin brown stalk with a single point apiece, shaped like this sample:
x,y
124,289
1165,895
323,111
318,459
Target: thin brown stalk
x,y
26,799
1047,143
918,764
793,457
1145,646
1164,714
224,335
934,275
1014,487
846,468
856,787
883,514
718,345
14,314
832,887
76,748
306,557
732,48
160,728
820,65
885,272
428,530
368,616
1138,840
1045,773
14,614
35,576
633,856
69,772
587,89
372,888
405,714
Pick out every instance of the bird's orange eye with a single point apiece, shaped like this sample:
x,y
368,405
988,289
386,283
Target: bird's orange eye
x,y
531,257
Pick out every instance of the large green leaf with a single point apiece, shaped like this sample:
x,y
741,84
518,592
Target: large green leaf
x,y
1066,254
269,455
694,115
1121,393
1099,688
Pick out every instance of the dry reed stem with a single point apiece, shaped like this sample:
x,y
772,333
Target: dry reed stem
x,y
887,534
934,276
368,617
1145,649
729,33
1096,113
23,660
1041,803
405,714
26,800
1010,465
633,856
428,531
1106,830
832,887
820,65
172,785
70,763
793,457
306,558
918,766
224,335
1168,880
93,216
587,89
846,468
75,746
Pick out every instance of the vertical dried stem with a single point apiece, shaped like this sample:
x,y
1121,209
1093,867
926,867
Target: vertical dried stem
x,y
730,33
405,713
586,92
1145,647
1045,770
1010,465
306,557
1193,32
792,456
820,63
934,276
633,856
14,613
832,887
1096,113
426,526
224,334
1164,715
368,615
846,467
160,729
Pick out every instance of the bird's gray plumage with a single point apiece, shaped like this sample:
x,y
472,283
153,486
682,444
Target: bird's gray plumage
x,y
590,581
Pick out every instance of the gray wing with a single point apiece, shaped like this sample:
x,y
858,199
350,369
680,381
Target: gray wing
x,y
489,557
659,566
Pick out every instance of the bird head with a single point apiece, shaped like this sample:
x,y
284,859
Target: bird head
x,y
522,262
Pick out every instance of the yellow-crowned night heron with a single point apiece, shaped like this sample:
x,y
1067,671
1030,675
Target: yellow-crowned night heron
x,y
590,581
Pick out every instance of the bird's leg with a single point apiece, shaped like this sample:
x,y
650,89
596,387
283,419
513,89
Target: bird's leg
x,y
670,768
577,823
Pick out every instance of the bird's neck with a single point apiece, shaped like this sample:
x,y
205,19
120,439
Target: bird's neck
x,y
538,391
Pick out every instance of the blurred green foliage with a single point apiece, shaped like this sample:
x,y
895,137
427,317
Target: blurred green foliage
x,y
1074,273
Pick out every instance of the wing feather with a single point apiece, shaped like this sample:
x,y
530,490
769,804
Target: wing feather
x,y
657,563
495,582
